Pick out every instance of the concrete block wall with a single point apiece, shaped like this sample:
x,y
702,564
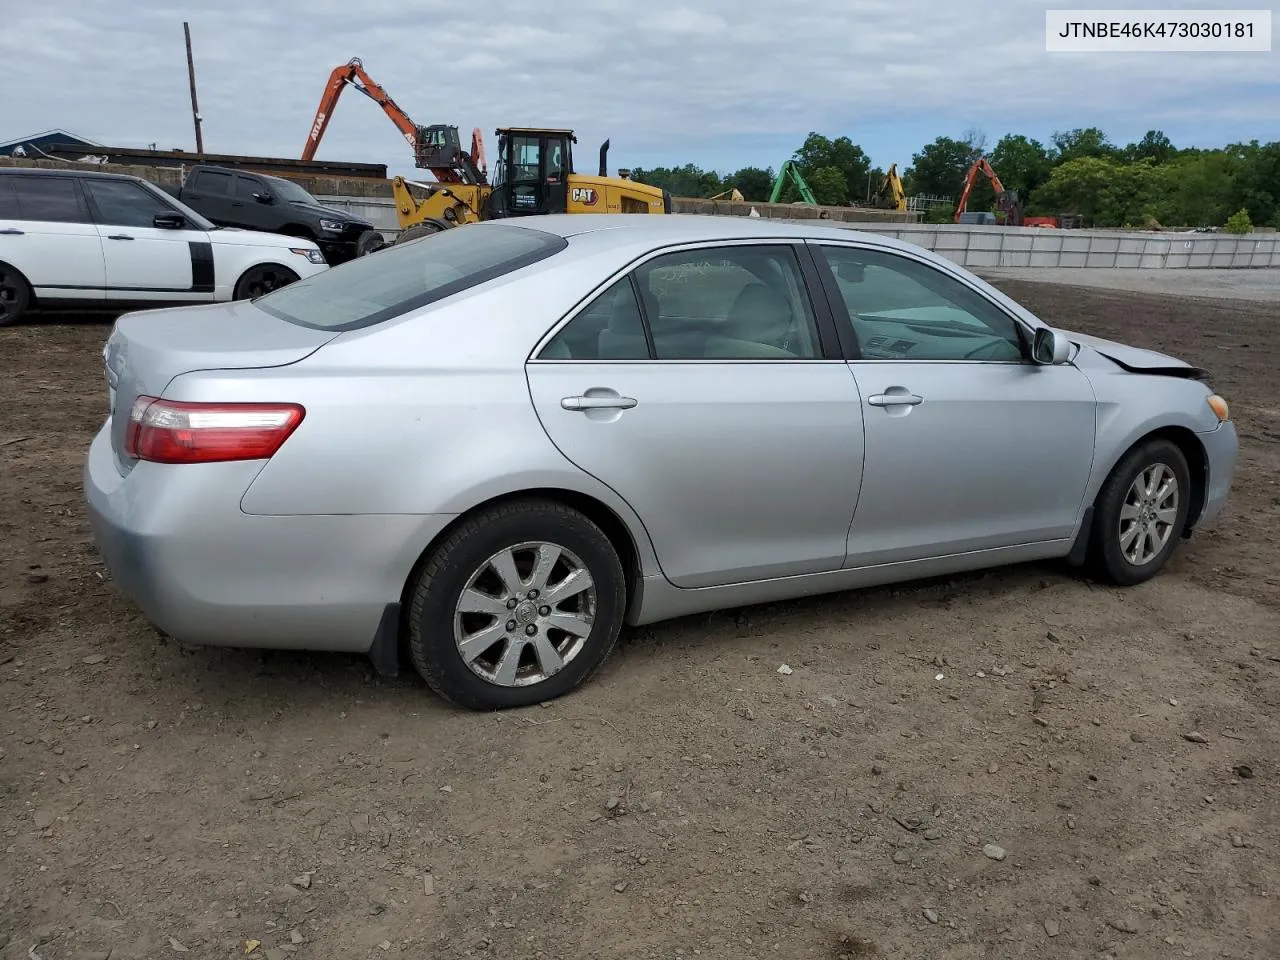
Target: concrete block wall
x,y
976,245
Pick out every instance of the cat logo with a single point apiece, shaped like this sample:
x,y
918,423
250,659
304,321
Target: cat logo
x,y
584,195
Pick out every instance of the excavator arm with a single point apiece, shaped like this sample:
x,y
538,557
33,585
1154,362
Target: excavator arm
x,y
979,166
353,74
891,186
789,171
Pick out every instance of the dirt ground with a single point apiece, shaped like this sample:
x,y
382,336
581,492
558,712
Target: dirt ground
x,y
690,801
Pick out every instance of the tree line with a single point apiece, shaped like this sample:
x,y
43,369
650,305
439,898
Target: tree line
x,y
1144,184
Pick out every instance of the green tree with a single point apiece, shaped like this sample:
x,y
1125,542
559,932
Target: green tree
x,y
1239,222
829,186
940,167
754,183
842,155
1022,164
1153,146
1258,178
1197,189
686,181
1083,142
1106,193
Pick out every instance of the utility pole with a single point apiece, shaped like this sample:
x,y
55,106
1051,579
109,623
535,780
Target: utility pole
x,y
191,76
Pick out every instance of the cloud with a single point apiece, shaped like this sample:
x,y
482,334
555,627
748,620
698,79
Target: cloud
x,y
666,81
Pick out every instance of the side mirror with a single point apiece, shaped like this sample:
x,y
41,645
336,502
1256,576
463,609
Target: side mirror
x,y
169,221
264,198
1050,347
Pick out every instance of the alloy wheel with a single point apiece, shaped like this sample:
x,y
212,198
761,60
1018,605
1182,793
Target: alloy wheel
x,y
525,614
1148,514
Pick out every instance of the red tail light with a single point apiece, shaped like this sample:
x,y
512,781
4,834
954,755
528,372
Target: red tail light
x,y
175,431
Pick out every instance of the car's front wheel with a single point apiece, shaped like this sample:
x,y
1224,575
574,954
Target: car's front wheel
x,y
519,604
1140,512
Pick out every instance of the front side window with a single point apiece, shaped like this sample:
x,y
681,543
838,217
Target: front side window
x,y
902,309
120,203
406,276
740,302
246,187
49,200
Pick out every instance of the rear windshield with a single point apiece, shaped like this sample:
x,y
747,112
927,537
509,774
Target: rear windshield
x,y
403,277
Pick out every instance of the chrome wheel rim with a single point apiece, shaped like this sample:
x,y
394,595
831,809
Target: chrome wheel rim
x,y
1148,514
524,614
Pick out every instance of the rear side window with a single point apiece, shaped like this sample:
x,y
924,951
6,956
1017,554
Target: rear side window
x,y
49,199
403,277
212,181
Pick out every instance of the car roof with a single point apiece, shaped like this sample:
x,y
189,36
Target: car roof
x,y
657,230
60,172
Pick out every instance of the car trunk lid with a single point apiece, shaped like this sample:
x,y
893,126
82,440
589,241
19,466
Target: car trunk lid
x,y
147,349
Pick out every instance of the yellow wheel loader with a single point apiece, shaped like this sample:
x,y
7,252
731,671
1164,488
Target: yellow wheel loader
x,y
533,174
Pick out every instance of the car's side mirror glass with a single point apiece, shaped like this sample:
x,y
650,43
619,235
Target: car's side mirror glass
x,y
170,221
1050,347
263,197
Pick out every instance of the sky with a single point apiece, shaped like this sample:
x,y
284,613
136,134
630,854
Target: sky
x,y
719,83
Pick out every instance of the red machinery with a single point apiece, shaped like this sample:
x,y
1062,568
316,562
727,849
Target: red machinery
x,y
1006,200
435,148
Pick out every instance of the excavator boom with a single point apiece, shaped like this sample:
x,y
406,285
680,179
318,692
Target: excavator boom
x,y
1007,200
446,165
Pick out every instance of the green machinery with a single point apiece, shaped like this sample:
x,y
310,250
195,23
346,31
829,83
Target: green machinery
x,y
789,170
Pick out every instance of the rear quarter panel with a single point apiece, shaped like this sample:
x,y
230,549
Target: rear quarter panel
x,y
424,415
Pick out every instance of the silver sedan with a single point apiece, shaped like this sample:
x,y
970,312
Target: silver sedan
x,y
488,450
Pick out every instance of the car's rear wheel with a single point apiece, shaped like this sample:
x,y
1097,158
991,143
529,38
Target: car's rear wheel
x,y
520,604
1140,512
15,295
371,241
262,279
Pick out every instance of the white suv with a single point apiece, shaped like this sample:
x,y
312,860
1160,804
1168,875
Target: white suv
x,y
103,240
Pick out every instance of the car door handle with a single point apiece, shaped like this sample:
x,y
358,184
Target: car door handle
x,y
12,232
598,403
119,236
894,399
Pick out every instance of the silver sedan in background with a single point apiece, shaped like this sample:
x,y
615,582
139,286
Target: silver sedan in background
x,y
492,448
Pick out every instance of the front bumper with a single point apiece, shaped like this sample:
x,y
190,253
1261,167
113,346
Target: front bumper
x,y
1222,448
178,545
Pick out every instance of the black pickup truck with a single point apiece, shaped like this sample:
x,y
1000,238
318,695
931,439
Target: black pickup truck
x,y
257,201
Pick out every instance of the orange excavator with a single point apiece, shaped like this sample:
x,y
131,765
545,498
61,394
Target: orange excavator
x,y
1010,209
435,148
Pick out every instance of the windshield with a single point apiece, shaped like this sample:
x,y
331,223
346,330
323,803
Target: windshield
x,y
403,277
290,191
197,220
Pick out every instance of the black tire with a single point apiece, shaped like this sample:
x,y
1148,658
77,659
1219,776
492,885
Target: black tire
x,y
1107,559
262,279
15,295
463,556
426,228
371,241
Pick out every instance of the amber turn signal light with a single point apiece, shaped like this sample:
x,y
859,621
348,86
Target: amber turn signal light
x,y
1219,407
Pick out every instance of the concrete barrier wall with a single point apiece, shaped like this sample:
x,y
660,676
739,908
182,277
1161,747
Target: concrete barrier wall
x,y
973,245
